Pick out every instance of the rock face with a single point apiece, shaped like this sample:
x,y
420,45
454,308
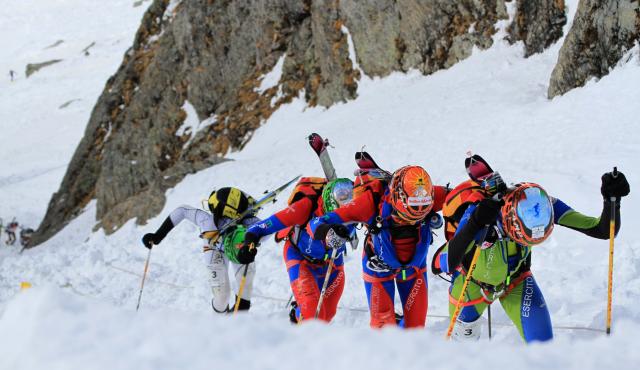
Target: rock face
x,y
394,35
538,24
601,33
212,56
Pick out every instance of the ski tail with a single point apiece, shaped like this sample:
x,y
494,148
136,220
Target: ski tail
x,y
368,166
477,167
365,161
318,144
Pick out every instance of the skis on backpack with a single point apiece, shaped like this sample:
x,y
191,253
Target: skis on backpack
x,y
479,171
319,146
268,197
368,166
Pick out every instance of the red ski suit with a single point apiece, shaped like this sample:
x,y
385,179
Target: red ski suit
x,y
307,260
393,254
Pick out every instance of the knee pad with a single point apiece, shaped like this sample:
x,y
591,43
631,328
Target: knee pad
x,y
238,271
467,331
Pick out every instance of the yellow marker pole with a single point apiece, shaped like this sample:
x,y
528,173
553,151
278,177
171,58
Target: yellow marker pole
x,y
612,236
452,323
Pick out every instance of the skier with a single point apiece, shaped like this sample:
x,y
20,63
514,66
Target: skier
x,y
226,205
307,260
11,75
513,225
398,238
12,227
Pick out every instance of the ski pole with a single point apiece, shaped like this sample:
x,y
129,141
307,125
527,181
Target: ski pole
x,y
489,319
327,276
144,276
241,289
612,232
242,284
472,267
289,301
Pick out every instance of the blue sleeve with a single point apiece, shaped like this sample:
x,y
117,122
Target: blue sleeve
x,y
560,208
266,227
329,218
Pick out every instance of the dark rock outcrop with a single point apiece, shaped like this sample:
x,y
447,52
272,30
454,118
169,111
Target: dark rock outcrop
x,y
538,24
425,35
602,31
213,55
32,68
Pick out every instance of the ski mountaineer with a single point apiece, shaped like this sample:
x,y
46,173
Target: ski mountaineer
x,y
507,230
398,238
307,260
226,205
11,229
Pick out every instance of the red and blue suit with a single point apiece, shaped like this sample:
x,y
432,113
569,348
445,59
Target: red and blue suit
x,y
394,256
307,260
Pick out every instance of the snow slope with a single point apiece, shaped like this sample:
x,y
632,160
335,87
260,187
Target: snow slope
x,y
494,103
43,117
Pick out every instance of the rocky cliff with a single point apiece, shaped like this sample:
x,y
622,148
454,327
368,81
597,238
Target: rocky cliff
x,y
211,56
602,31
538,24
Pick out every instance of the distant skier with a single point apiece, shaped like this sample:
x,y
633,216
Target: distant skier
x,y
307,260
523,219
12,227
399,235
11,75
226,204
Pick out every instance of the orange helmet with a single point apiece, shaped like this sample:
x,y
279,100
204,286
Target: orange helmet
x,y
411,193
527,214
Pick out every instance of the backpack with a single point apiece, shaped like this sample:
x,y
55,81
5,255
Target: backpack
x,y
457,202
374,180
307,187
233,241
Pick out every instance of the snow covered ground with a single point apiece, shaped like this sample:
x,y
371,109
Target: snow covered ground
x,y
81,313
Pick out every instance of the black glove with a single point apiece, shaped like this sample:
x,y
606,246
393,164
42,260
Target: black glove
x,y
151,239
487,211
247,254
322,230
248,251
614,186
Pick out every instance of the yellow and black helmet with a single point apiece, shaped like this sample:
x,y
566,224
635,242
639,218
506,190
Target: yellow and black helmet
x,y
229,202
